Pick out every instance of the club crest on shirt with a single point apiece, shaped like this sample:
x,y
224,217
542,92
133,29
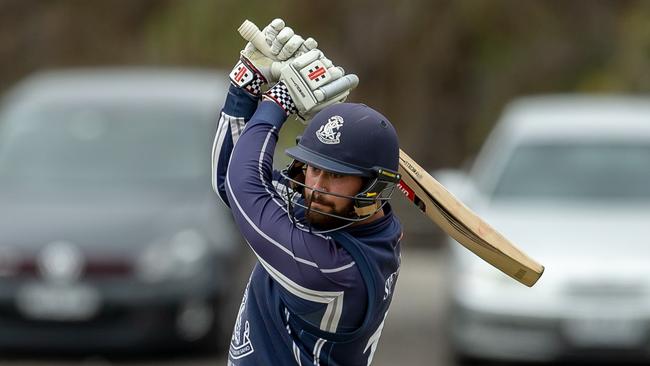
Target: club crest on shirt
x,y
329,132
240,344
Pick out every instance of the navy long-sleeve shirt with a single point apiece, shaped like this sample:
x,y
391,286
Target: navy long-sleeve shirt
x,y
311,299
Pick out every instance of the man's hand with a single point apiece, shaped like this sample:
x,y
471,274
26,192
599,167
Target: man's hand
x,y
255,69
310,83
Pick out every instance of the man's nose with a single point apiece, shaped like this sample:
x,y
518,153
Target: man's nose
x,y
322,181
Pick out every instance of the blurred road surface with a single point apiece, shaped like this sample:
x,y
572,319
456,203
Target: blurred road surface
x,y
413,333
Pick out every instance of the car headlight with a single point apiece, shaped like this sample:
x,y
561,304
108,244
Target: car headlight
x,y
476,280
482,277
180,257
480,287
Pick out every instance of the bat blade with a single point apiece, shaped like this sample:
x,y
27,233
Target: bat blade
x,y
462,224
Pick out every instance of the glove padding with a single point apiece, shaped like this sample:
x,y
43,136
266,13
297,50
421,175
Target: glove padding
x,y
255,69
313,83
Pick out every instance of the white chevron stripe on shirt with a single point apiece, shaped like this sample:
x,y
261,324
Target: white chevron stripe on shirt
x,y
333,299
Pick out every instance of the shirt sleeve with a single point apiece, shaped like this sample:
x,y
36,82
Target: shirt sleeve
x,y
310,266
237,110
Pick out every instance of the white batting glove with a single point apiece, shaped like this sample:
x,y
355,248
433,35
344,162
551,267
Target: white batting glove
x,y
310,83
255,69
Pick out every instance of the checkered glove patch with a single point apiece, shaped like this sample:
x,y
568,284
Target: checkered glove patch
x,y
280,94
244,75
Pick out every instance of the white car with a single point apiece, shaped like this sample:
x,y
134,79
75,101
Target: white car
x,y
566,178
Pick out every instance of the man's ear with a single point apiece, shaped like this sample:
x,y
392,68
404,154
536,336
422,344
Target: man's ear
x,y
296,172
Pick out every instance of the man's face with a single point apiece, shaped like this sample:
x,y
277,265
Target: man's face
x,y
347,185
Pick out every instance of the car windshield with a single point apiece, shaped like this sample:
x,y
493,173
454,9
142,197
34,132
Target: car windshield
x,y
104,145
586,172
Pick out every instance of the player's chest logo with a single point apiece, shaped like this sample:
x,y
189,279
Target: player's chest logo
x,y
329,132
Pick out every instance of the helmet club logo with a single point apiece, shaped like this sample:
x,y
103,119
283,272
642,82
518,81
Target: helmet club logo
x,y
329,132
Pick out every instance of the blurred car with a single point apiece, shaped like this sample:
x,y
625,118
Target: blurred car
x,y
567,179
110,233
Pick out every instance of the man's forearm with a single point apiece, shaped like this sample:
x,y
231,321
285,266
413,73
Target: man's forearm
x,y
253,156
238,109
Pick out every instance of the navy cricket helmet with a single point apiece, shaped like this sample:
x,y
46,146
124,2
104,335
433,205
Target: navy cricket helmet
x,y
350,139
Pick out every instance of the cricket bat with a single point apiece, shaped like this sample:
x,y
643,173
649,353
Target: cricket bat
x,y
462,224
445,210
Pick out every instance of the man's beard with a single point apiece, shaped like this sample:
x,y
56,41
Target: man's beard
x,y
326,222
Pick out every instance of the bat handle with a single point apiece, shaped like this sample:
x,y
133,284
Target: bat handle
x,y
250,32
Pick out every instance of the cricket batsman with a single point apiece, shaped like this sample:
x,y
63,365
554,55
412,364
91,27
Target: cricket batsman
x,y
326,239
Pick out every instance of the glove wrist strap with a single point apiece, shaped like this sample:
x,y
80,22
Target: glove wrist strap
x,y
279,93
245,75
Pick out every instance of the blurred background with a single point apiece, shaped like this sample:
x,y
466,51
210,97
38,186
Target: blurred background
x,y
88,85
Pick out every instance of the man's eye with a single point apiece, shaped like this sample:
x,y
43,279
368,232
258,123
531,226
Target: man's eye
x,y
337,176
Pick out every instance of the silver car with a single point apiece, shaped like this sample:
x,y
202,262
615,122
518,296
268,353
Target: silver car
x,y
567,178
110,234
